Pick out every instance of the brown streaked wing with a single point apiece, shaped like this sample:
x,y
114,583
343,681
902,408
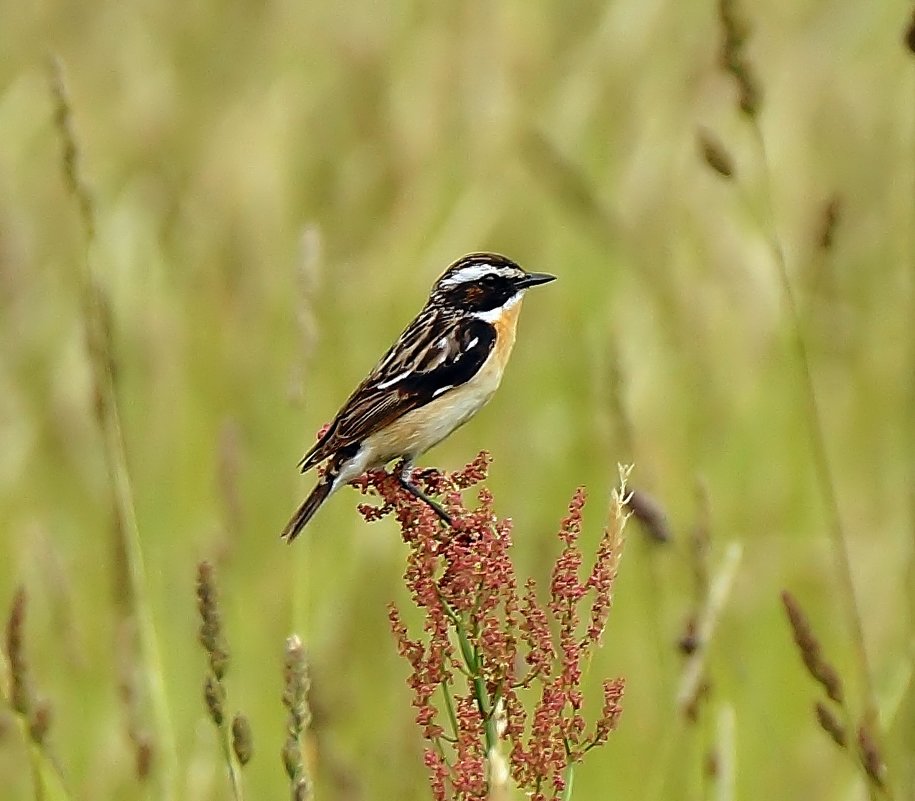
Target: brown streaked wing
x,y
417,365
371,407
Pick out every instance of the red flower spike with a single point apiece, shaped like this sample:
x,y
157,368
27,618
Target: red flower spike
x,y
488,640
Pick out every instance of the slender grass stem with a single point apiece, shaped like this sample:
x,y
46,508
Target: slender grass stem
x,y
449,706
818,439
101,359
908,740
46,778
719,590
231,764
820,456
691,674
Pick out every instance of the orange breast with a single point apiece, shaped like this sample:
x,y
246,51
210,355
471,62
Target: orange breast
x,y
506,327
420,429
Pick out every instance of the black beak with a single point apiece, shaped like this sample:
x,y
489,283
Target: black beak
x,y
532,279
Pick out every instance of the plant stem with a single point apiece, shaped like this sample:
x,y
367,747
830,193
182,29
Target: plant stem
x,y
232,764
472,660
818,441
569,780
101,361
821,465
449,706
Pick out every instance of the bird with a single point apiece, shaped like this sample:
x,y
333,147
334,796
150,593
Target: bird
x,y
444,367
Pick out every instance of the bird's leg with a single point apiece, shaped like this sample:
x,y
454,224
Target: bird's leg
x,y
405,477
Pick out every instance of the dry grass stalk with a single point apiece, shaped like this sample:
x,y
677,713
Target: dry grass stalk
x,y
714,154
70,156
811,653
819,452
296,683
870,756
20,692
830,724
832,211
733,58
699,550
691,678
130,695
32,713
734,62
308,278
211,636
649,512
97,327
242,742
214,691
725,756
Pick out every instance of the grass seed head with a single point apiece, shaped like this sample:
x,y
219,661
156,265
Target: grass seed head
x,y
21,699
211,637
242,743
831,725
811,652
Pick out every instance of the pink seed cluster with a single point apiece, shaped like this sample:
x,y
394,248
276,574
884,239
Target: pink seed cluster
x,y
490,651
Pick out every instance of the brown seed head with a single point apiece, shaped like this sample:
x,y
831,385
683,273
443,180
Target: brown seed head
x,y
21,699
40,721
144,756
296,685
715,154
733,57
242,743
649,512
214,696
831,725
869,753
211,637
831,214
811,653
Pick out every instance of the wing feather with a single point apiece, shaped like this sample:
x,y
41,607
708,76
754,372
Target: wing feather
x,y
436,352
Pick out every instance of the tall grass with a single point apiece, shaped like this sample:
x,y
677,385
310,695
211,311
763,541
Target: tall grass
x,y
273,189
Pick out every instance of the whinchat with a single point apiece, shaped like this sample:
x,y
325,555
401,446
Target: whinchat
x,y
442,370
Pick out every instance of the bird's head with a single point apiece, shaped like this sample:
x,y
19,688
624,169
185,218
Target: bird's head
x,y
484,282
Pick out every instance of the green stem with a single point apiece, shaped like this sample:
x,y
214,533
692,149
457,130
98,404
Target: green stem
x,y
232,765
569,780
818,441
449,706
822,468
99,353
471,659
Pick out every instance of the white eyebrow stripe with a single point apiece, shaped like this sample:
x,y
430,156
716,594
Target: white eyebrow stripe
x,y
473,272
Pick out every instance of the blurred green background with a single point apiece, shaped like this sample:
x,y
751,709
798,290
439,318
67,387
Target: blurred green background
x,y
277,186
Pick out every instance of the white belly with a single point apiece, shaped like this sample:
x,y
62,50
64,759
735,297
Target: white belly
x,y
418,430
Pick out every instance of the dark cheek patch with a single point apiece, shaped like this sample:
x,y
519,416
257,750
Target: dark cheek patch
x,y
473,295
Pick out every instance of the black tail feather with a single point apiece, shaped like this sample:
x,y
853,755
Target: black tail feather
x,y
305,512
